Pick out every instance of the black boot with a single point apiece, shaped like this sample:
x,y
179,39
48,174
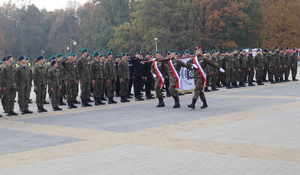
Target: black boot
x,y
192,106
12,113
98,102
161,103
177,103
41,110
71,105
111,101
57,109
203,99
26,112
85,104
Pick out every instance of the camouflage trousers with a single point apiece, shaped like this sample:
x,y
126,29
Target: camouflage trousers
x,y
99,88
40,91
8,99
124,85
71,90
23,98
158,89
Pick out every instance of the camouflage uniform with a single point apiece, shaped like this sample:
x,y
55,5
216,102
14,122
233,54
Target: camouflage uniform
x,y
85,80
9,87
71,82
97,69
54,83
23,79
39,75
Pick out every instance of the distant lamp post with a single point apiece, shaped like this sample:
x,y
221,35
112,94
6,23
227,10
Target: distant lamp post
x,y
156,44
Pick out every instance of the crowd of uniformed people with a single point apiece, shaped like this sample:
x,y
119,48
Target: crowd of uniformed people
x,y
103,76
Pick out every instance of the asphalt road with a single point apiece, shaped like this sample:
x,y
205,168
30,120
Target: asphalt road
x,y
248,131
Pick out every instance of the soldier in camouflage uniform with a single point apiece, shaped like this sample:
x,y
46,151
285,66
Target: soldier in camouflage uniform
x,y
156,69
55,86
9,86
251,66
259,68
229,62
97,70
1,80
23,77
71,80
110,77
84,77
271,67
39,75
243,69
62,78
286,66
199,79
294,64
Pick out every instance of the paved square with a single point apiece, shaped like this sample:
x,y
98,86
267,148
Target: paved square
x,y
252,131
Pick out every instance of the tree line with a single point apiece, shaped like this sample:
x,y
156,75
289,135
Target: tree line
x,y
132,25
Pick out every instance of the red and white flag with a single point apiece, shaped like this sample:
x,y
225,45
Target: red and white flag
x,y
175,74
159,75
200,69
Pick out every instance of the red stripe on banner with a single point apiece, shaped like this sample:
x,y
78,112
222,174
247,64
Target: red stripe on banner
x,y
159,75
175,74
200,70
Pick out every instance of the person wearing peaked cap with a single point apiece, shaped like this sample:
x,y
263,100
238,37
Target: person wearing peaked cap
x,y
23,79
294,64
197,64
54,85
123,74
39,76
97,76
84,77
139,76
1,80
8,86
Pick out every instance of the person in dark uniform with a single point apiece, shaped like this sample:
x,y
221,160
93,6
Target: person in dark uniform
x,y
149,81
138,74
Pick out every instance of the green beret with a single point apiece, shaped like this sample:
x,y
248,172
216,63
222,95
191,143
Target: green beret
x,y
59,55
83,50
95,54
71,54
109,52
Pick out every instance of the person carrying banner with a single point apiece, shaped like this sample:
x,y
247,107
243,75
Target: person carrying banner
x,y
159,79
172,65
198,63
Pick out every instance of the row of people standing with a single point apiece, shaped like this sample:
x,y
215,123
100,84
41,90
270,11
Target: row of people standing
x,y
244,68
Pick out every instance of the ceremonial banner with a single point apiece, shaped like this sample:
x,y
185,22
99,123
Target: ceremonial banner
x,y
186,77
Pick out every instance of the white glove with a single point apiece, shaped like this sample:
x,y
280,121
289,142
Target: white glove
x,y
154,76
222,70
195,66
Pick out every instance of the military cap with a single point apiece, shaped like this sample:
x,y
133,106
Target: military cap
x,y
21,58
109,52
71,55
83,50
95,54
39,58
59,55
53,62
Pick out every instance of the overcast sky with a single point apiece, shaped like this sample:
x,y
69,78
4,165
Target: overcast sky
x,y
51,4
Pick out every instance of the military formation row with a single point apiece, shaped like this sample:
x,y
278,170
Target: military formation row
x,y
103,77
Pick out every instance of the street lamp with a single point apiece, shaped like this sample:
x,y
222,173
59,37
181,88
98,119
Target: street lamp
x,y
72,43
156,47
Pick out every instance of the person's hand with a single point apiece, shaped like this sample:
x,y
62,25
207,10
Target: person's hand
x,y
222,70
